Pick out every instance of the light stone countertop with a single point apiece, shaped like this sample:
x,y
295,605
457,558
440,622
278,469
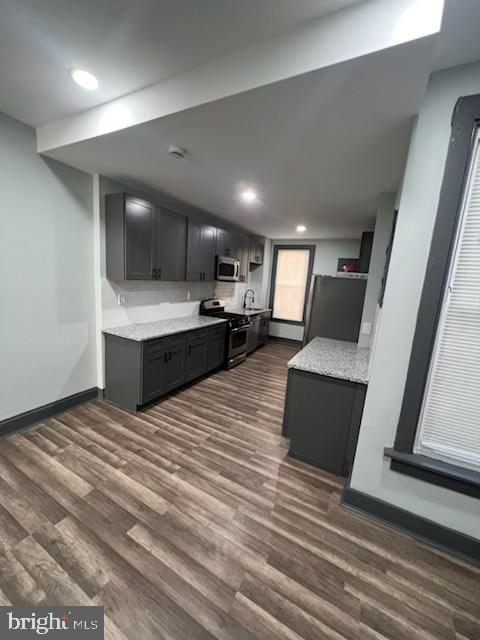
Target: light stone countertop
x,y
333,358
148,330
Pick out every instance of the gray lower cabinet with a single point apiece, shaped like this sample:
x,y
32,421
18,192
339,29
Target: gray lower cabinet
x,y
322,419
263,328
153,374
252,335
175,364
138,372
216,347
197,349
163,366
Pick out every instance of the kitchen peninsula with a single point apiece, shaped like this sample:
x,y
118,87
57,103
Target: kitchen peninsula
x,y
327,382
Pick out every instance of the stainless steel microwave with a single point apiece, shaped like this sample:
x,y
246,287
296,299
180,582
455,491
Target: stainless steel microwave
x,y
228,269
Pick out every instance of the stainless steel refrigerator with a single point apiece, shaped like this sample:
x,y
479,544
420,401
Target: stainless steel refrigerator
x,y
334,308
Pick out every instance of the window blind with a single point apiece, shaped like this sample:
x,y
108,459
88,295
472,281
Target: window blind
x,y
290,284
449,426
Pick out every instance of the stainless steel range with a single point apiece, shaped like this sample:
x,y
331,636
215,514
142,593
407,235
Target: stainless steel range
x,y
236,337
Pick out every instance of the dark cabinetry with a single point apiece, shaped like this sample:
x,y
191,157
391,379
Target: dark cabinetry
x,y
139,372
201,252
143,241
163,366
197,349
171,246
146,241
226,244
252,336
322,418
216,347
256,251
243,254
263,328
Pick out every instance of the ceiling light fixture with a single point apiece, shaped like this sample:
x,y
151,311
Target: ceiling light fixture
x,y
176,152
249,196
84,79
301,228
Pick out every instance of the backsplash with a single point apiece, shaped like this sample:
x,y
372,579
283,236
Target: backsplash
x,y
148,301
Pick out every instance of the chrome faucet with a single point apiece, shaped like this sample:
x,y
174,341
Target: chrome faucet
x,y
252,301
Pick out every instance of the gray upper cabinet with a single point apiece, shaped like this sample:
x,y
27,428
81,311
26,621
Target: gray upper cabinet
x,y
201,252
243,254
256,251
207,252
129,225
193,251
143,241
171,246
226,243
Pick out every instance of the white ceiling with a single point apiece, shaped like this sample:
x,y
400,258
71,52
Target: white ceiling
x,y
319,148
459,40
127,44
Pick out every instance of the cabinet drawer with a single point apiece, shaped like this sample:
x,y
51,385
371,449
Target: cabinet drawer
x,y
161,344
216,332
197,336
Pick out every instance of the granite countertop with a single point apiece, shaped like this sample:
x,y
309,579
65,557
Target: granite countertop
x,y
333,358
148,330
247,312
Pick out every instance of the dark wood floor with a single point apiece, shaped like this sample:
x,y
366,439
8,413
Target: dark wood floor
x,y
189,522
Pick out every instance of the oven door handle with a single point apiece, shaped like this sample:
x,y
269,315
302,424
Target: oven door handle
x,y
242,328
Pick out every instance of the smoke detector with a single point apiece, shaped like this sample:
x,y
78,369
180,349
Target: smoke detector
x,y
177,152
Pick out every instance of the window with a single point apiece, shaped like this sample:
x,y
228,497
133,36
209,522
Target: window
x,y
292,268
449,427
438,433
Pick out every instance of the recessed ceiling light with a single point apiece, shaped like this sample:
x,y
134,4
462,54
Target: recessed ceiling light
x,y
176,152
84,79
248,195
301,228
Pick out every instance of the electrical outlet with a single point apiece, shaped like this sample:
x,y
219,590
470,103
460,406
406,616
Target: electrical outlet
x,y
188,295
121,298
366,328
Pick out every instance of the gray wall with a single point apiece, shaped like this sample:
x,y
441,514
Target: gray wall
x,y
327,253
418,207
47,317
383,230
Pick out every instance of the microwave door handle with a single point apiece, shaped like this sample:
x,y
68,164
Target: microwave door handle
x,y
237,269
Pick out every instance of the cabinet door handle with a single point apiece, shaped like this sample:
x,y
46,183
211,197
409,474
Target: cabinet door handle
x,y
159,272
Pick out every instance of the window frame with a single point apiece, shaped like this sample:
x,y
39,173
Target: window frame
x,y
300,247
465,126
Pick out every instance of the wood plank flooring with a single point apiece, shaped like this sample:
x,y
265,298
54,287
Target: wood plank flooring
x,y
188,521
